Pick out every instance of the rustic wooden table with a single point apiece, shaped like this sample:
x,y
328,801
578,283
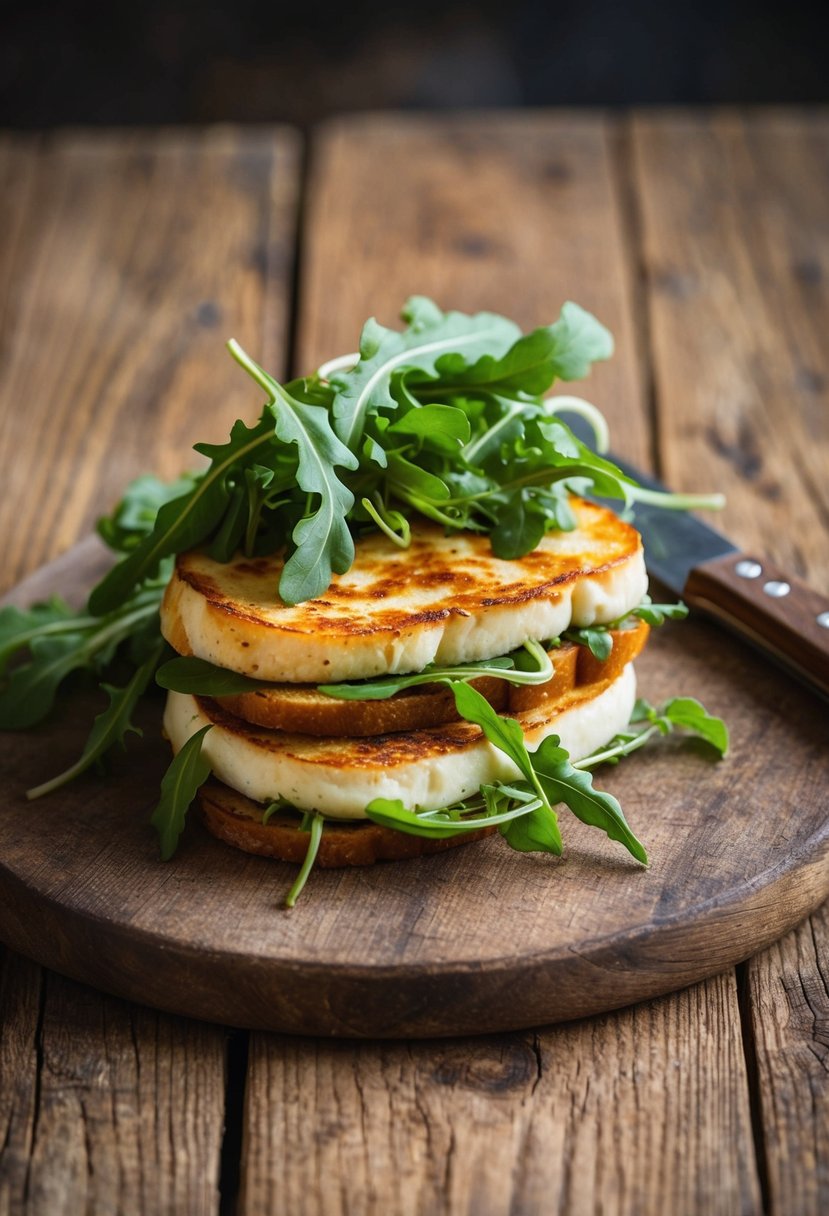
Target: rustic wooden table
x,y
125,260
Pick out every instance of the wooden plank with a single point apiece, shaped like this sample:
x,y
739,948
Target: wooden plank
x,y
788,993
20,994
123,1112
736,254
736,231
511,214
619,1115
134,258
127,259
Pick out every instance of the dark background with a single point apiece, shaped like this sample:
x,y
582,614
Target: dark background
x,y
242,60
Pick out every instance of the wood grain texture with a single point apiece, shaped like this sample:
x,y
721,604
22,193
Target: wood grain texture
x,y
108,1107
788,999
514,214
420,947
735,230
622,1115
130,259
126,260
735,252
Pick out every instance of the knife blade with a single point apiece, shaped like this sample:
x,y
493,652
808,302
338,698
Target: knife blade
x,y
776,613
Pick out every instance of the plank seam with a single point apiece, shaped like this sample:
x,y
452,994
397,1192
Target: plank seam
x,y
625,182
755,1105
237,1055
304,168
39,1065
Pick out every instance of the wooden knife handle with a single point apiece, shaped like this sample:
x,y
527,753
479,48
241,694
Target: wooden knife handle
x,y
769,609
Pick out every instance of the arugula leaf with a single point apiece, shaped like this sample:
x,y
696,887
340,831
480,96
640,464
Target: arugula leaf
x,y
684,712
184,521
521,522
564,351
182,781
443,426
657,614
20,627
455,821
597,639
323,542
28,694
533,832
691,715
365,389
202,679
550,773
135,514
508,737
503,668
109,727
562,782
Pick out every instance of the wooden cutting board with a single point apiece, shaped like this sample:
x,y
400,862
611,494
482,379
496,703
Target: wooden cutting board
x,y
478,939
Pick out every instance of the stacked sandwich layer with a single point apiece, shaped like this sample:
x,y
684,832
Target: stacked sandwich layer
x,y
445,600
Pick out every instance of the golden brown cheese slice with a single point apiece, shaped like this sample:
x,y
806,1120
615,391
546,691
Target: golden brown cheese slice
x,y
446,599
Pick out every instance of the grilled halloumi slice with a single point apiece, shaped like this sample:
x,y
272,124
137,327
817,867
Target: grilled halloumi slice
x,y
429,768
446,599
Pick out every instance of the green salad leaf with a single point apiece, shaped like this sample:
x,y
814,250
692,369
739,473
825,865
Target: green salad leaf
x,y
504,668
182,781
202,679
109,727
430,334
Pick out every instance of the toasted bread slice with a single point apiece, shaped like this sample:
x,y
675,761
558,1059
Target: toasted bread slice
x,y
237,820
445,599
429,768
303,710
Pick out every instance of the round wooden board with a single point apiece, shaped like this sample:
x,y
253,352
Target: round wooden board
x,y
478,939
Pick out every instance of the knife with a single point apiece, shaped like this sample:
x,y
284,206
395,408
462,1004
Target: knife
x,y
778,614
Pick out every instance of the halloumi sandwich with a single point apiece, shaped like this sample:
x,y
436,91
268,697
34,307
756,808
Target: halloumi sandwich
x,y
442,603
398,620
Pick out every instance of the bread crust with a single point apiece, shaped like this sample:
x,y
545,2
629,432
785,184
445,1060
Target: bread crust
x,y
237,821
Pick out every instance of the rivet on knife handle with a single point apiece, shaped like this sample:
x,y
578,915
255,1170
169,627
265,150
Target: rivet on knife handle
x,y
768,608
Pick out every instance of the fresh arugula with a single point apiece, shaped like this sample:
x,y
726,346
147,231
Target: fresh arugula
x,y
313,824
430,336
56,642
685,713
445,419
182,781
111,726
598,638
502,668
203,679
521,812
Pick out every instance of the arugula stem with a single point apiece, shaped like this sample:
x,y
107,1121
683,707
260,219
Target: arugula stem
x,y
677,502
402,542
251,367
310,857
622,748
582,409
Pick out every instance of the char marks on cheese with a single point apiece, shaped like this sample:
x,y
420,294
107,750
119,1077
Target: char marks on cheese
x,y
430,768
445,599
